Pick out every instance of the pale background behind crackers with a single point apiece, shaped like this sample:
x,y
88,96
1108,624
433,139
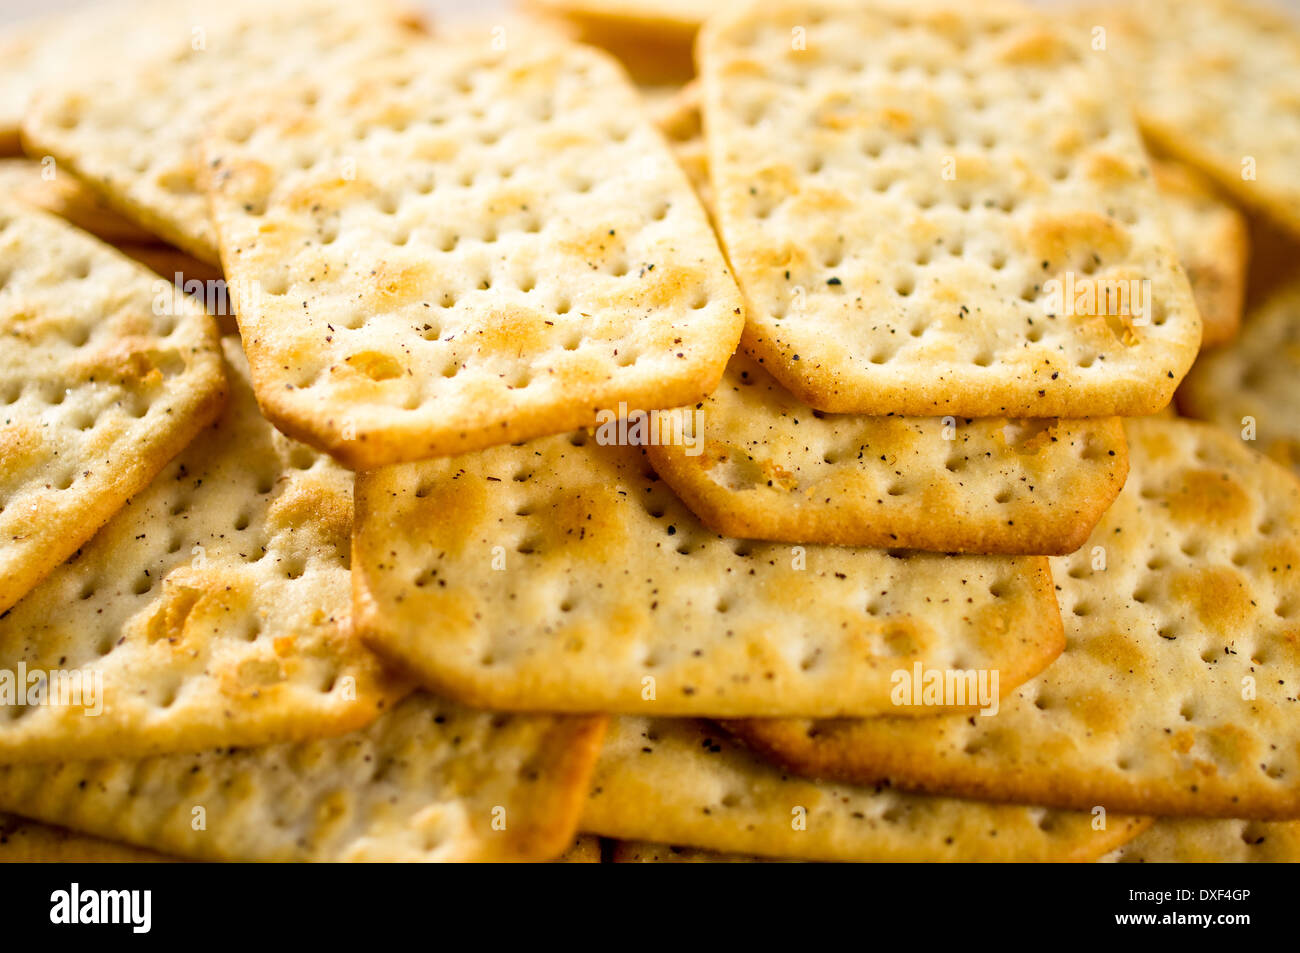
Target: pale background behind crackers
x,y
11,10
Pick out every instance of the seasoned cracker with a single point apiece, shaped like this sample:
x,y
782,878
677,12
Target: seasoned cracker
x,y
1213,243
43,186
769,467
486,246
1177,690
1191,840
100,385
1216,83
933,211
562,575
1252,389
686,782
213,609
131,129
428,780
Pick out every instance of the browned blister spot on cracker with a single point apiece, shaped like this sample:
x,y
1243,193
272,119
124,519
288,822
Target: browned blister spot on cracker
x,y
1210,497
394,284
1035,46
1219,596
375,365
20,443
1061,238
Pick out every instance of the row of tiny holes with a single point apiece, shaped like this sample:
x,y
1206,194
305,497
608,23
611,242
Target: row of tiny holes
x,y
302,460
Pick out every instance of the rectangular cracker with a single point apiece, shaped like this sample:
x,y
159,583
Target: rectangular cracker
x,y
213,609
100,385
561,575
30,842
486,245
427,781
684,782
131,128
1194,840
1177,690
923,204
1253,387
769,467
1216,83
41,185
1213,242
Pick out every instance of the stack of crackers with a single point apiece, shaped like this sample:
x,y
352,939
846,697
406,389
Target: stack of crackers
x,y
650,432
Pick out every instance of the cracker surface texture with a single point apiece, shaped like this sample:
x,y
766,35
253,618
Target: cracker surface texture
x,y
37,51
1176,693
936,212
101,383
1194,840
669,16
585,849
